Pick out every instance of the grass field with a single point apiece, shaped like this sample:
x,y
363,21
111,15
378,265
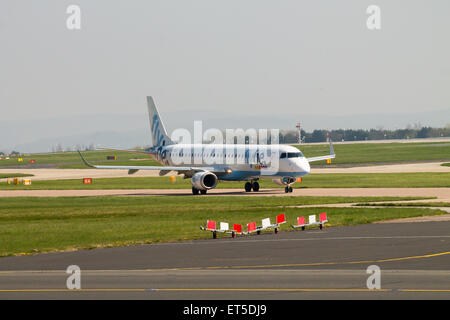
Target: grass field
x,y
33,225
409,204
345,153
381,152
72,159
378,180
446,164
335,180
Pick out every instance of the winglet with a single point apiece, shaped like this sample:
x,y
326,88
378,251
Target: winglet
x,y
84,160
331,147
332,155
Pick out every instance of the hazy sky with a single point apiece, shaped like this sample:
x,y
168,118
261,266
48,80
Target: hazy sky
x,y
223,57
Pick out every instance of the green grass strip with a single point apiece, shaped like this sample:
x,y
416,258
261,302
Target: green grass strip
x,y
33,225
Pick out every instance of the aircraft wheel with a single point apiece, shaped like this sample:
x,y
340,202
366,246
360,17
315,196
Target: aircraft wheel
x,y
255,186
214,235
195,191
276,230
203,191
233,235
258,232
286,189
248,187
290,189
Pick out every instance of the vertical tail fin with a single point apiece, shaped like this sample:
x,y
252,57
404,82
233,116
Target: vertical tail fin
x,y
159,133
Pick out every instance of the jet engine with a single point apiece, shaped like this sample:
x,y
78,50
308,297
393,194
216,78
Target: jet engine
x,y
204,180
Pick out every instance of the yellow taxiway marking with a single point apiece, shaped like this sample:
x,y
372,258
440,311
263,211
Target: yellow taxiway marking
x,y
274,289
225,290
68,290
196,289
310,264
424,290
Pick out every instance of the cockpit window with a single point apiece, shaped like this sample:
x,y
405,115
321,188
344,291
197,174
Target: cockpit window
x,y
284,155
295,155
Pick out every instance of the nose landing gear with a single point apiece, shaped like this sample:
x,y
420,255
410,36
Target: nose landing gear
x,y
288,189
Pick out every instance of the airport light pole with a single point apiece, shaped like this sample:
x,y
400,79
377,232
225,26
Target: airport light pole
x,y
299,128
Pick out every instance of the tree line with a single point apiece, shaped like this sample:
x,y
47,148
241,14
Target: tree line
x,y
291,136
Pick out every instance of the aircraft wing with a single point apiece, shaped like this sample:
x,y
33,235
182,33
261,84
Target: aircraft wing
x,y
163,169
332,155
126,150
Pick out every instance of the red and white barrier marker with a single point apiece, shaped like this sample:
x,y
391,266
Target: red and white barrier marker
x,y
224,227
237,229
301,223
266,224
322,219
251,227
210,225
281,218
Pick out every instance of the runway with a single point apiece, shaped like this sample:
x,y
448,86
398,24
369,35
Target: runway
x,y
414,259
442,194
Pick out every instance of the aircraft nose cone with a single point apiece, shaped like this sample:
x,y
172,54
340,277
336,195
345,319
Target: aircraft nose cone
x,y
307,166
304,166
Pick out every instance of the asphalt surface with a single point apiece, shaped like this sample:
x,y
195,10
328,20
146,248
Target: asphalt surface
x,y
414,259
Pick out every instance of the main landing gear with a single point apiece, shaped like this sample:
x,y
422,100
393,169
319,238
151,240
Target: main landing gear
x,y
288,189
196,191
251,185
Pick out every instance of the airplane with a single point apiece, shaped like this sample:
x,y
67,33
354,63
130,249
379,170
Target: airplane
x,y
220,162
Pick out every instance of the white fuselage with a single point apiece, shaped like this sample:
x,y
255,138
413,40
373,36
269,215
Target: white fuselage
x,y
240,161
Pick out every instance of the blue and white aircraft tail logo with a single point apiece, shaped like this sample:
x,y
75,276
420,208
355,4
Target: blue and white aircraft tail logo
x,y
159,133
